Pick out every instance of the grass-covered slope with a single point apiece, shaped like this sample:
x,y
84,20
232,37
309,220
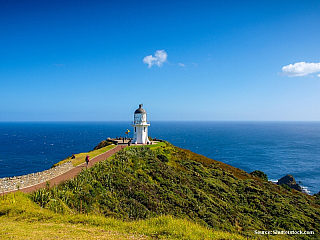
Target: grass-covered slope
x,y
80,157
21,218
143,183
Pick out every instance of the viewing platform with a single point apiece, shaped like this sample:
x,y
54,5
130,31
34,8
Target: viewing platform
x,y
125,141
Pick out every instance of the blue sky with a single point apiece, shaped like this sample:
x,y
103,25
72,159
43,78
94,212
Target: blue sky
x,y
184,60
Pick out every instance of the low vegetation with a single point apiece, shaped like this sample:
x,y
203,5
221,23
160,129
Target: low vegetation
x,y
21,218
259,174
164,192
143,183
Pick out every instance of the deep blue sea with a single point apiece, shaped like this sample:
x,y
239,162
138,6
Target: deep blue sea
x,y
276,148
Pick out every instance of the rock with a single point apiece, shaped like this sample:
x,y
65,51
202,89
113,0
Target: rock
x,y
290,182
103,144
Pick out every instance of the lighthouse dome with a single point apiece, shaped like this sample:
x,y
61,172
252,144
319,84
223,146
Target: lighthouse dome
x,y
140,110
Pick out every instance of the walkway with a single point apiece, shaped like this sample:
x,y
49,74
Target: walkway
x,y
71,173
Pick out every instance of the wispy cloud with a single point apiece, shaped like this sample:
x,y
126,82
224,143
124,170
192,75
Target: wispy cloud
x,y
182,65
160,56
300,69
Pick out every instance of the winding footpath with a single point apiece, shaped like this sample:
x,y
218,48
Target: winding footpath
x,y
71,173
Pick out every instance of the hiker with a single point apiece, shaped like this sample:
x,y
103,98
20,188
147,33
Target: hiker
x,y
73,156
87,160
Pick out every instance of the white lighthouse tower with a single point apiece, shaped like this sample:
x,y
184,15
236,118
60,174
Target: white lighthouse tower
x,y
140,126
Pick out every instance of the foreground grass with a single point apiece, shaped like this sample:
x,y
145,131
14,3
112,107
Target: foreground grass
x,y
11,229
158,228
80,157
20,218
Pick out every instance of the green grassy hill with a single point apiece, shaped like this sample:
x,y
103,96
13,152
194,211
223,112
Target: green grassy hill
x,y
21,218
165,192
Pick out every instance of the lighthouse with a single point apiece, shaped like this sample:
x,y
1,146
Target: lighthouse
x,y
140,126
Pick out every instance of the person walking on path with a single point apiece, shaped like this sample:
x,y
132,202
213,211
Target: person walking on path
x,y
67,175
87,160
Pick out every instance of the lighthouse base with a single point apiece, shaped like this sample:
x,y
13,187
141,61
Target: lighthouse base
x,y
140,134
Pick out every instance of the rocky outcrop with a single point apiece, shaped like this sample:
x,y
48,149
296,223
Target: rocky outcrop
x,y
290,182
104,143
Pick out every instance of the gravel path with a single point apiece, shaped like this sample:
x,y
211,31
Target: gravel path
x,y
73,172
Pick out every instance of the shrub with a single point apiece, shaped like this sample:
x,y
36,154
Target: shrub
x,y
162,158
285,186
259,174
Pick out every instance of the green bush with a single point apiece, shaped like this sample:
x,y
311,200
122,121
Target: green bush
x,y
162,158
259,174
285,186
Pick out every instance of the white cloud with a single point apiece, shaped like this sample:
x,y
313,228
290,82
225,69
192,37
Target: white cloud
x,y
182,65
159,58
300,69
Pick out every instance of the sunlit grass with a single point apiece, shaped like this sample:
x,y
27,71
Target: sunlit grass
x,y
156,145
80,157
11,229
23,219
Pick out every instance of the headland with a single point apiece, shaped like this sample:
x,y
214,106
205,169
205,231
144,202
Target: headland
x,y
161,181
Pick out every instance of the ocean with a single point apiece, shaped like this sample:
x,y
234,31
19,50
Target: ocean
x,y
276,148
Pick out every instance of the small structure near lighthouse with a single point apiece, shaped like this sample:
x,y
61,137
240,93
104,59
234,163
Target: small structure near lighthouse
x,y
140,126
